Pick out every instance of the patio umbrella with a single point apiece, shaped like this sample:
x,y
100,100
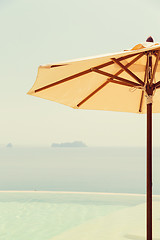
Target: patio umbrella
x,y
112,82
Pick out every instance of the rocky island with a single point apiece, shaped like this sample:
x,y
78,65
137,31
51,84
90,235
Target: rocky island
x,y
69,144
9,145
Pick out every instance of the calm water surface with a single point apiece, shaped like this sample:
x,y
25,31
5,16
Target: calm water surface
x,y
119,170
46,216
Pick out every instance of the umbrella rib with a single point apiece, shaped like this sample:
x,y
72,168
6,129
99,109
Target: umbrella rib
x,y
102,86
120,59
110,80
81,73
93,93
155,67
157,85
130,63
121,83
128,71
145,78
58,65
141,102
63,80
116,77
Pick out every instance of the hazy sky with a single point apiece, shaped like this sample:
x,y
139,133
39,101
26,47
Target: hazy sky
x,y
35,32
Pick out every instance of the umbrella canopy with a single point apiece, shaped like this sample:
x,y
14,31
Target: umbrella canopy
x,y
102,82
113,82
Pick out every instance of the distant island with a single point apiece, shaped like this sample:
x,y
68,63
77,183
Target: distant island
x,y
9,145
69,144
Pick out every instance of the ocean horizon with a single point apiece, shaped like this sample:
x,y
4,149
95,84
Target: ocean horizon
x,y
89,169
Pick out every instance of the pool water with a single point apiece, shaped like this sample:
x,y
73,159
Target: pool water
x,y
53,215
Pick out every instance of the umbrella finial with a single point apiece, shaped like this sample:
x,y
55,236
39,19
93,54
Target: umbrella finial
x,y
149,39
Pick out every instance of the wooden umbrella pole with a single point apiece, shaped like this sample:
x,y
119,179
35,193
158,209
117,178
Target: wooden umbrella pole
x,y
149,91
149,171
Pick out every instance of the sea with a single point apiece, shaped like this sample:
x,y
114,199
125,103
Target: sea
x,y
76,193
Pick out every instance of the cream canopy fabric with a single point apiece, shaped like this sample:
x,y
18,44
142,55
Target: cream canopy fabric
x,y
113,82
